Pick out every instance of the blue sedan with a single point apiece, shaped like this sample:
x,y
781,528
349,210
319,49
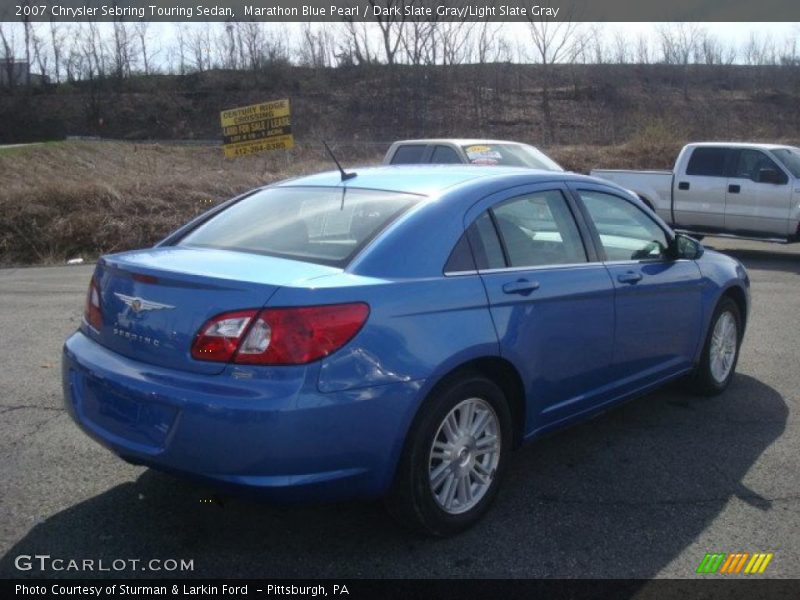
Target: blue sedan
x,y
395,333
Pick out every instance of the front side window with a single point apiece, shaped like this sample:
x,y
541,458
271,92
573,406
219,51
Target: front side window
x,y
709,162
626,232
538,229
790,157
322,225
750,164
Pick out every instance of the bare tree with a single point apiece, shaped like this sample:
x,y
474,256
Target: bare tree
x,y
123,52
488,43
181,38
553,42
355,46
712,51
679,46
40,56
56,45
140,30
317,46
420,41
679,42
455,38
391,27
621,48
594,49
7,40
759,50
200,46
27,30
643,53
93,50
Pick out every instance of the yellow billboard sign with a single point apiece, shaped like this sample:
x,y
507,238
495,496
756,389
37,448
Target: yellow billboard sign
x,y
256,128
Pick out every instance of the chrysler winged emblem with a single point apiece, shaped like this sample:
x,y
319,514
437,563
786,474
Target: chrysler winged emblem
x,y
137,305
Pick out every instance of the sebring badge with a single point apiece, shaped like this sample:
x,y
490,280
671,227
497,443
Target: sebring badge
x,y
138,305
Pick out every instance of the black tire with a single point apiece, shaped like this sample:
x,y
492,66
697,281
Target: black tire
x,y
702,381
411,500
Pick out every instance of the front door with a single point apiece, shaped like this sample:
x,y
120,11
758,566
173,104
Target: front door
x,y
658,303
755,206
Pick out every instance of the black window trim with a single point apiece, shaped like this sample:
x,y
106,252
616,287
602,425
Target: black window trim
x,y
575,210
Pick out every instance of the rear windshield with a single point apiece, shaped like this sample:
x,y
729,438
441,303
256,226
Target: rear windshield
x,y
321,225
513,155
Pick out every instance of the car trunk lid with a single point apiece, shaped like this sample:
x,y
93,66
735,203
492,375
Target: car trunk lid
x,y
154,302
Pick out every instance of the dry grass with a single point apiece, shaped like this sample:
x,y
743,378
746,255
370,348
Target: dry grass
x,y
59,201
71,199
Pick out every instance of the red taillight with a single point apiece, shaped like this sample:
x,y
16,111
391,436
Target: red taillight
x,y
219,337
93,314
279,336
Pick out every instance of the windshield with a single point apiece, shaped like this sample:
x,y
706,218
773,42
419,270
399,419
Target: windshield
x,y
513,155
790,157
321,225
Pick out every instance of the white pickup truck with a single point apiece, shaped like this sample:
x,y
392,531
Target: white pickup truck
x,y
736,190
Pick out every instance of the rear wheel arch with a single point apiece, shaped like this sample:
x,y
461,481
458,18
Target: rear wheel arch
x,y
502,373
414,496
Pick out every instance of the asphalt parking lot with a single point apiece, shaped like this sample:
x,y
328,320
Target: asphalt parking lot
x,y
642,491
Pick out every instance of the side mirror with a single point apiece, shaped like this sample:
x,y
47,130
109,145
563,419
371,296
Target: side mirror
x,y
687,247
770,176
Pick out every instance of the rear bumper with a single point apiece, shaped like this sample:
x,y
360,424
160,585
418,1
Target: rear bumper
x,y
275,433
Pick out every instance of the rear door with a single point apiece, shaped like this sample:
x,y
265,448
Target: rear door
x,y
752,205
552,303
658,299
699,193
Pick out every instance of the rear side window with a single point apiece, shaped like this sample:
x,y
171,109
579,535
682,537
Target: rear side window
x,y
322,225
409,155
538,229
709,162
626,232
460,258
445,155
486,244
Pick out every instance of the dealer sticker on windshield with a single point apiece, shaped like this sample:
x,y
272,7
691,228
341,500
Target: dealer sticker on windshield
x,y
483,155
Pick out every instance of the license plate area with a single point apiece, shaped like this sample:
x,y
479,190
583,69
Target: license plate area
x,y
142,422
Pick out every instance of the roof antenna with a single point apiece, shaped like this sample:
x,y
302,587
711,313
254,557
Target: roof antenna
x,y
345,176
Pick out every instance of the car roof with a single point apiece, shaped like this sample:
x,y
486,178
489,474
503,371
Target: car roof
x,y
425,180
740,145
457,141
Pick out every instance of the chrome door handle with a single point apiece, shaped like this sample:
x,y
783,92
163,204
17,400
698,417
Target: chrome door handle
x,y
520,286
629,277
